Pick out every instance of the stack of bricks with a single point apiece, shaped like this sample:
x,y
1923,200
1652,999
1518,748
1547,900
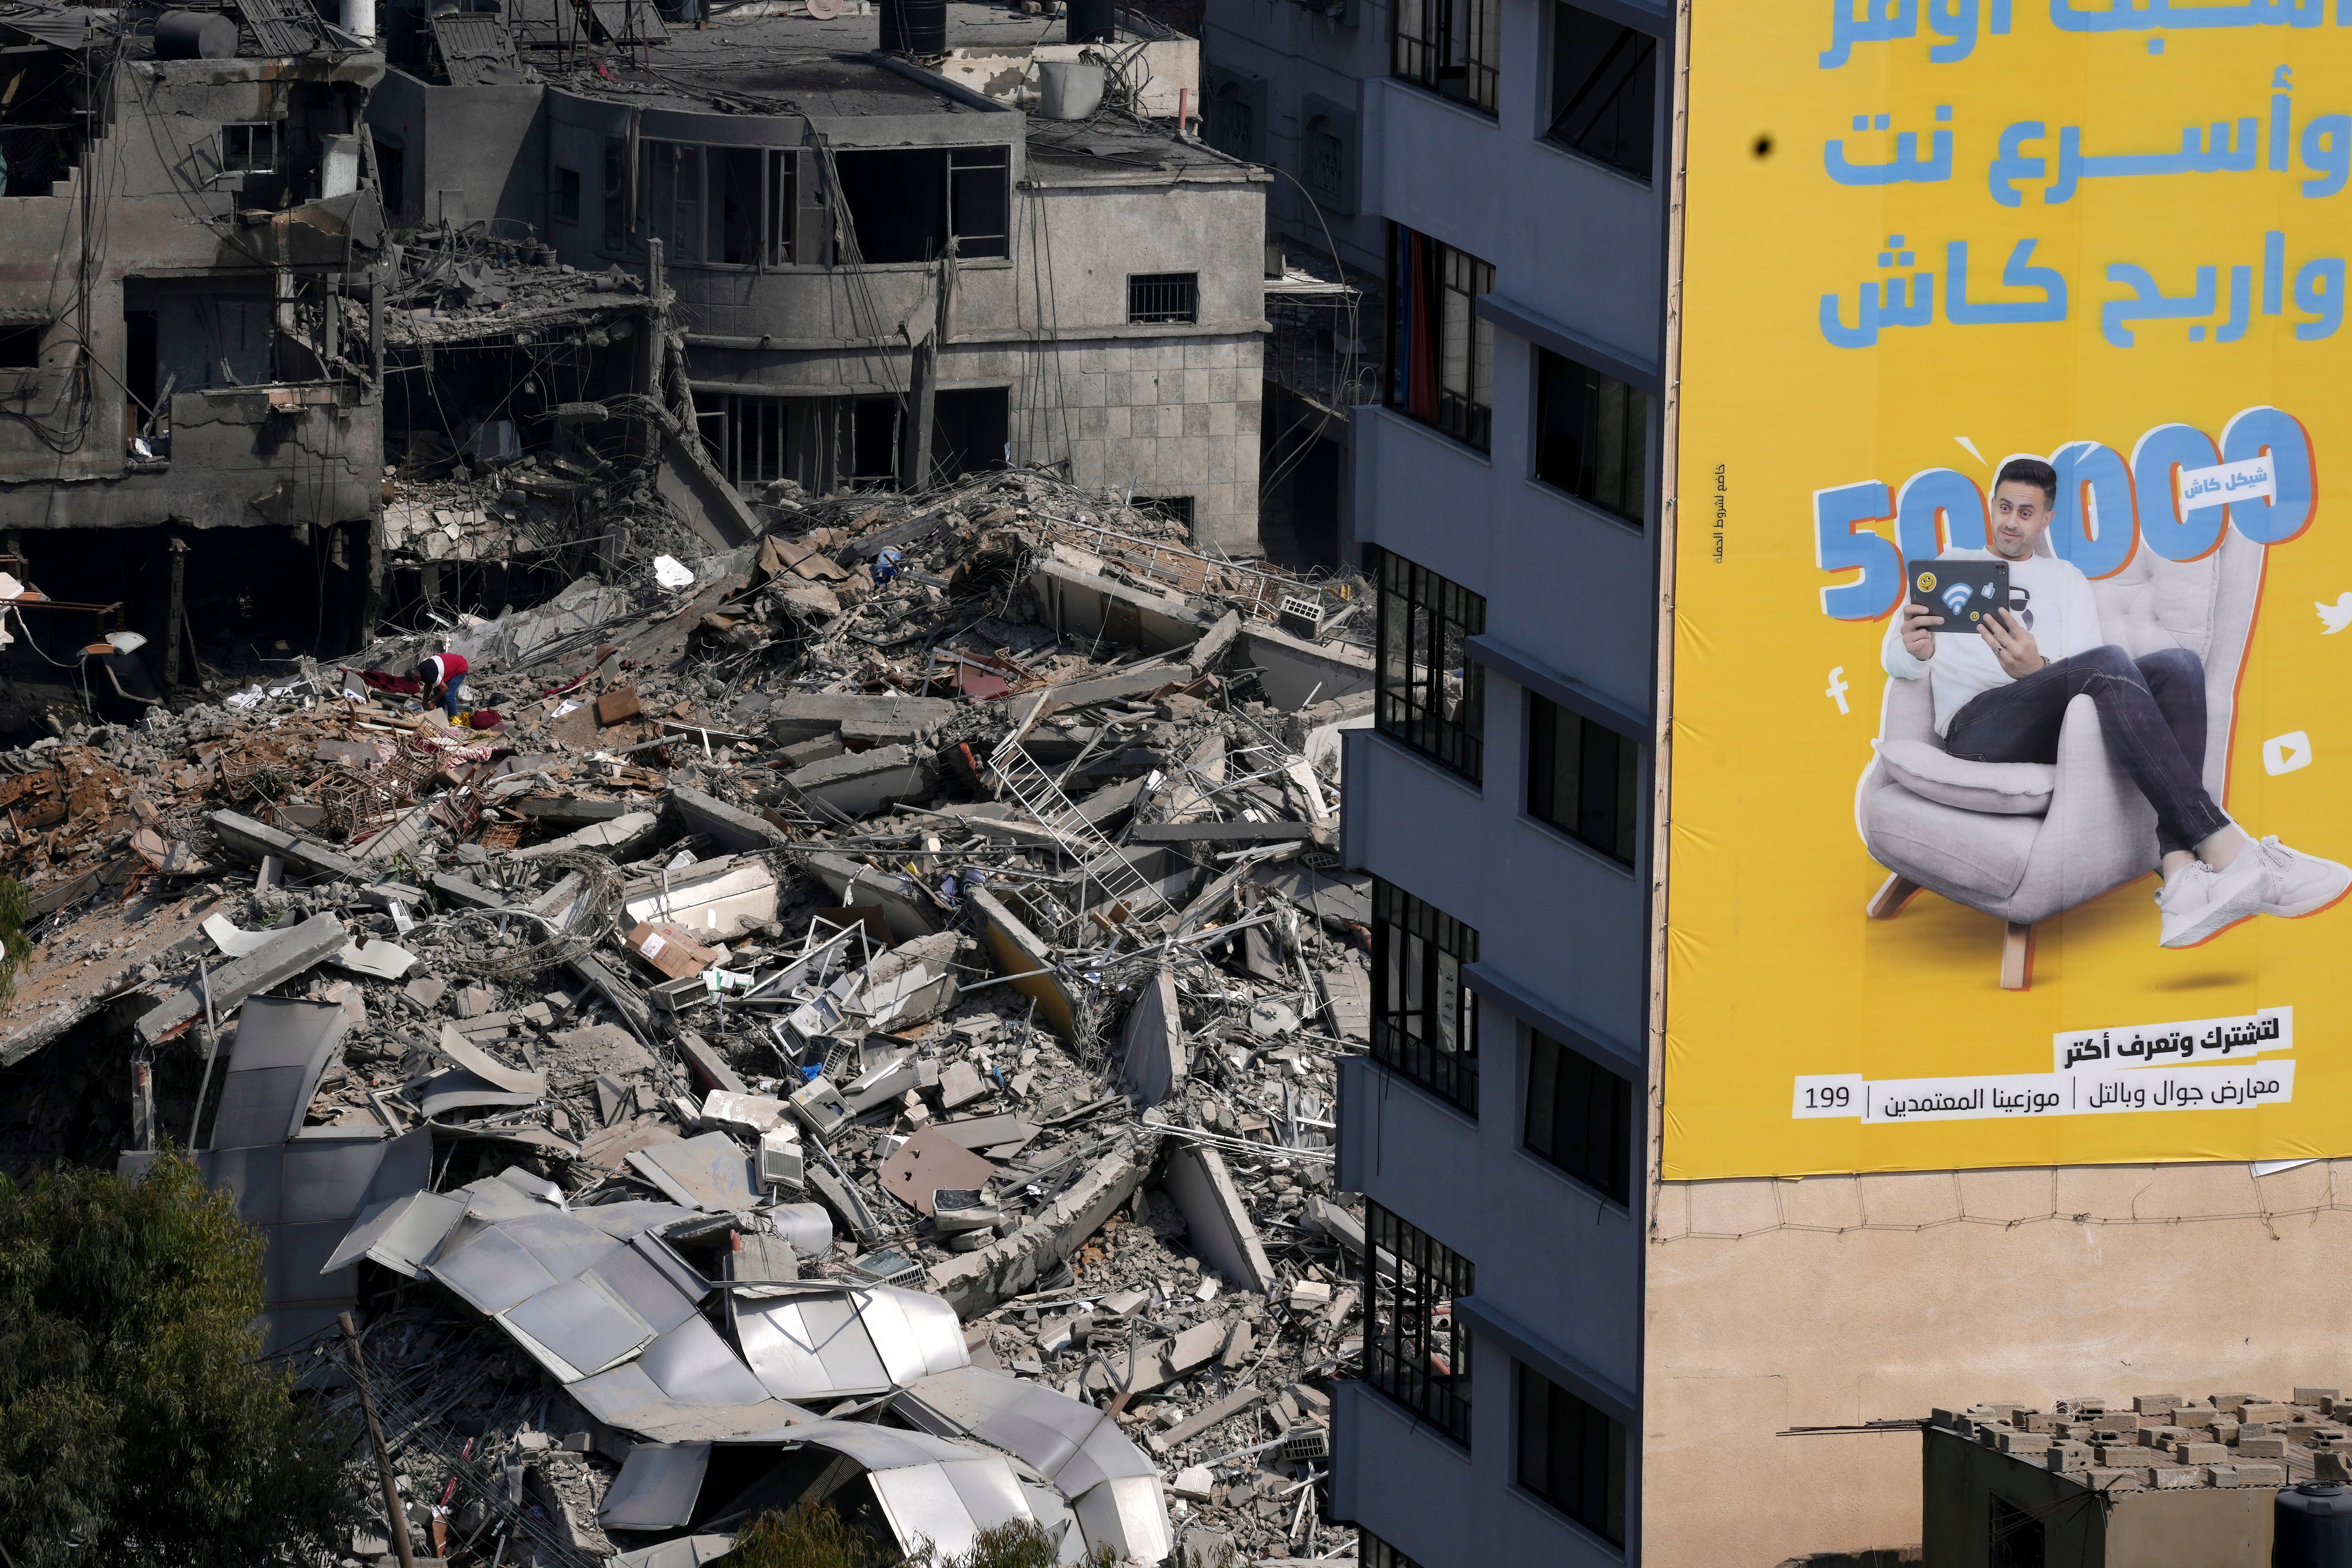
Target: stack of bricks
x,y
2165,1440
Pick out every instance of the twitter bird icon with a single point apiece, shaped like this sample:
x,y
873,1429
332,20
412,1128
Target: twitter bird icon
x,y
2337,616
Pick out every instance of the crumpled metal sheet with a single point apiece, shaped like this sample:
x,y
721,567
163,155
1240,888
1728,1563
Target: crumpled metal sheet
x,y
711,1172
656,1486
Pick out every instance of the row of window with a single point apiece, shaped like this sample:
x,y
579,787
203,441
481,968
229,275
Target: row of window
x,y
1603,92
1571,1452
1591,431
1582,777
1579,1114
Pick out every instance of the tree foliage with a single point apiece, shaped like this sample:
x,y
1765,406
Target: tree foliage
x,y
816,1536
136,1425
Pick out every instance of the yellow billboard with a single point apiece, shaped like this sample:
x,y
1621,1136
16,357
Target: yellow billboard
x,y
2011,753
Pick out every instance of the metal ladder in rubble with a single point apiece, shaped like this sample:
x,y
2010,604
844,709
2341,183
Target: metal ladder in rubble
x,y
1111,873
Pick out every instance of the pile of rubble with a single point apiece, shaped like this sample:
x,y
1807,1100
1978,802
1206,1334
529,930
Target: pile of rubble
x,y
853,1017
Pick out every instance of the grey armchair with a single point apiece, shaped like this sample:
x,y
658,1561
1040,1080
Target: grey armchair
x,y
2024,841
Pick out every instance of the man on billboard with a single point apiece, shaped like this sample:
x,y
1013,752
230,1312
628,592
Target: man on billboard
x,y
2000,696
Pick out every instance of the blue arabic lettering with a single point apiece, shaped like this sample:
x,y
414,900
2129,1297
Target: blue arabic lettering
x,y
1905,167
1961,311
2149,303
2327,152
2319,288
2121,15
1879,22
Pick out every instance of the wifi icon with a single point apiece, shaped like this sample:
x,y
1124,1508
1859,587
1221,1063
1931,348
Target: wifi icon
x,y
1956,597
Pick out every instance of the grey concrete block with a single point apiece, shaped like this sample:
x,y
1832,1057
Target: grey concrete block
x,y
725,826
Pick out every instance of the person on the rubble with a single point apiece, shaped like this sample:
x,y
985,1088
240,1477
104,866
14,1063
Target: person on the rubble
x,y
444,675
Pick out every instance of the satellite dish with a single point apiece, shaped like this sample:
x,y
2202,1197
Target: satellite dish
x,y
824,10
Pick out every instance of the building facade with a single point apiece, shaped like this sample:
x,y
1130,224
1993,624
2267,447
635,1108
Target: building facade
x,y
869,255
1507,504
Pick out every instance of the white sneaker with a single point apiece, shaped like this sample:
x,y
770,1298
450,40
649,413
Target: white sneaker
x,y
2295,884
2200,903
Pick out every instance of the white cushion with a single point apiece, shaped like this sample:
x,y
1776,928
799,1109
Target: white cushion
x,y
2004,789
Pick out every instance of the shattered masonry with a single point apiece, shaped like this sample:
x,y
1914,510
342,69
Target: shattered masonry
x,y
863,1024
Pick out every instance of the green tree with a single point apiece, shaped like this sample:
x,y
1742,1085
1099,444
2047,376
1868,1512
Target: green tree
x,y
136,1425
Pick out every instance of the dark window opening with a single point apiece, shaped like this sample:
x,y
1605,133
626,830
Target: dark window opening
x,y
1163,297
392,178
1441,352
1374,1552
980,200
1231,127
567,195
1572,1455
1175,508
20,348
1584,779
1605,90
730,206
250,149
1580,1117
1326,159
1451,47
1415,1350
1425,1018
1432,695
1593,435
903,204
2016,1537
872,450
971,429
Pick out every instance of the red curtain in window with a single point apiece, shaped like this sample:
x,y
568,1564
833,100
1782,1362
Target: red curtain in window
x,y
1421,389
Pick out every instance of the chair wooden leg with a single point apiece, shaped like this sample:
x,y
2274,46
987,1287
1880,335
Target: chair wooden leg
x,y
1888,901
2016,957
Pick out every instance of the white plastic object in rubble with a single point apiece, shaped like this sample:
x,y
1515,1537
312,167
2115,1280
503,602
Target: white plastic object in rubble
x,y
1069,89
671,574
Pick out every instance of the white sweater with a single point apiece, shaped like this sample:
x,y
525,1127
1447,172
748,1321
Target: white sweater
x,y
2063,619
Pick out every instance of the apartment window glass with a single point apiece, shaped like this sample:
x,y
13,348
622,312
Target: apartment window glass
x,y
1451,47
1580,1117
1593,435
1374,1552
1413,1351
1572,1455
1163,297
1425,1019
1442,353
1605,90
1583,778
567,195
1432,695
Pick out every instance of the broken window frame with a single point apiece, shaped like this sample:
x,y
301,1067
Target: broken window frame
x,y
1430,694
1604,90
1580,1117
976,236
1592,437
1441,351
236,139
691,180
1453,48
1372,1551
1416,1351
1584,779
1156,298
1424,1013
2014,1534
1570,1453
974,196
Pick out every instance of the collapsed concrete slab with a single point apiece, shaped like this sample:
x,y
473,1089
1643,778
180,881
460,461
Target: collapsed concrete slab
x,y
728,826
909,913
1223,1237
1079,602
885,719
1023,954
976,1282
280,959
859,782
1152,1052
1295,672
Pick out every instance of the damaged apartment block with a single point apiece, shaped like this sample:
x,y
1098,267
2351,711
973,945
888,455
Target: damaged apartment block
x,y
889,268
190,431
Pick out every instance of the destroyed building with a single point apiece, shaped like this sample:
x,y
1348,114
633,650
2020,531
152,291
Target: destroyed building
x,y
192,431
889,269
863,1026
